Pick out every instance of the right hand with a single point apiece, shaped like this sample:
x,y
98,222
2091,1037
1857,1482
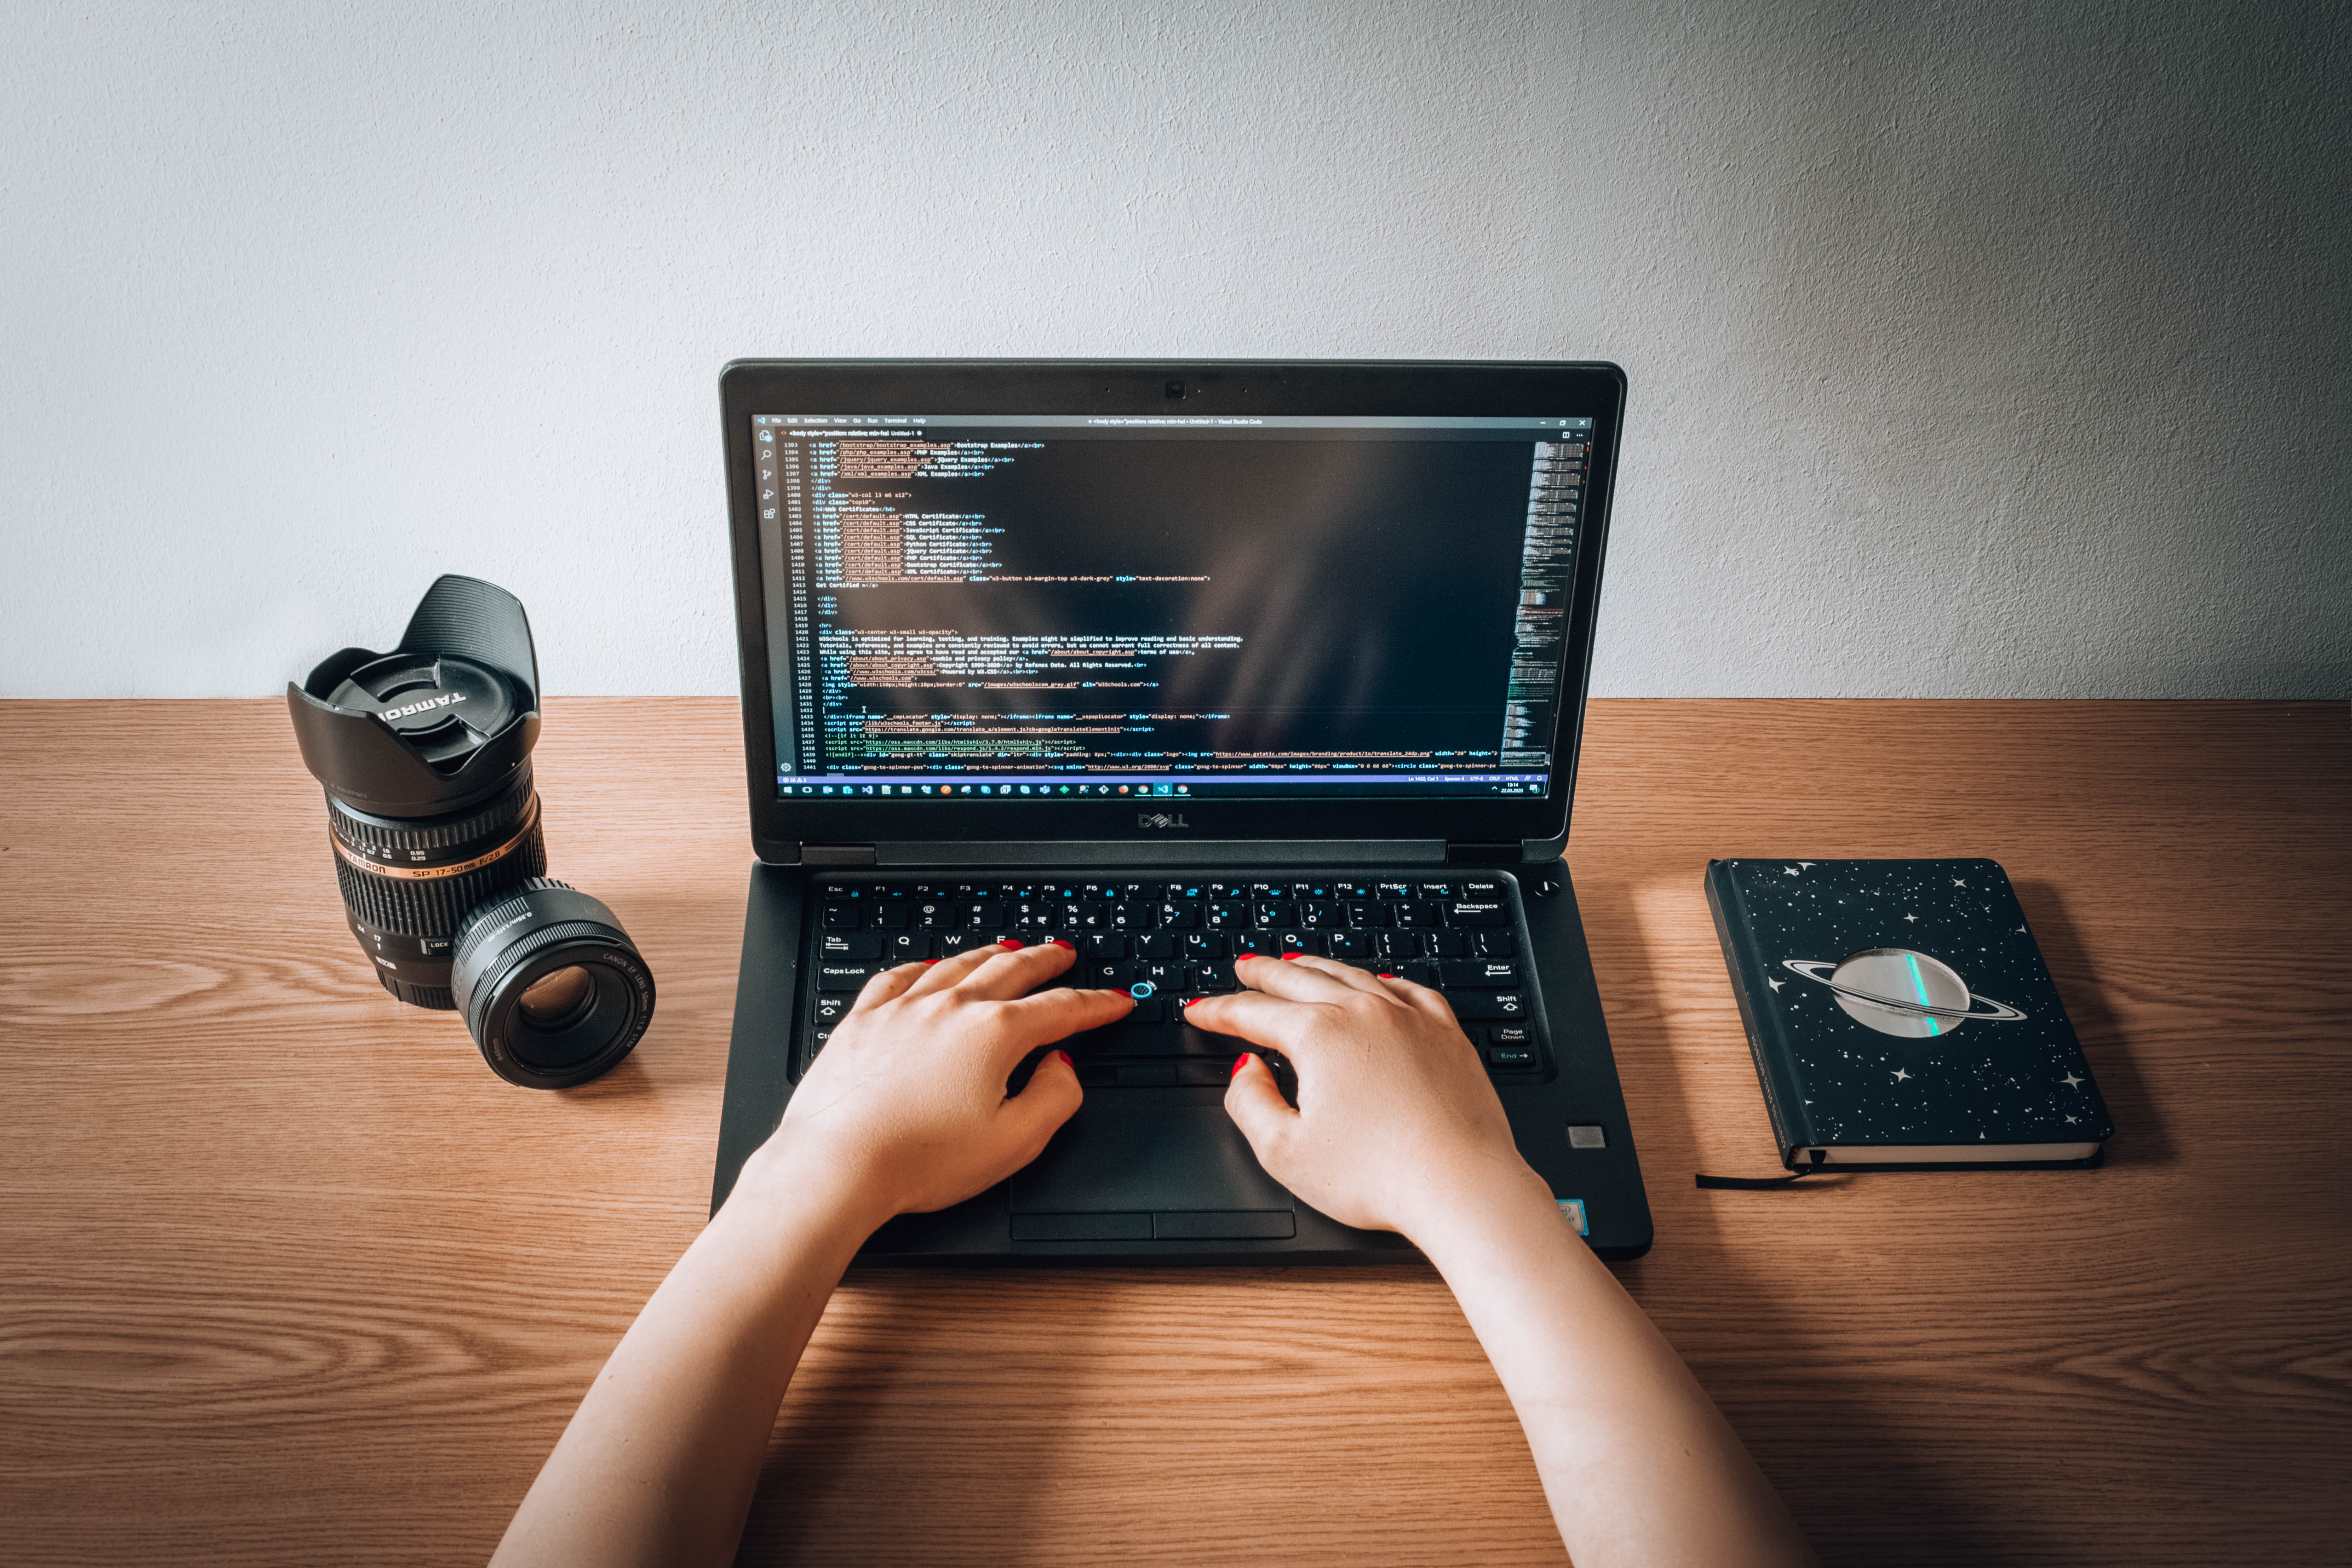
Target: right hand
x,y
1396,1119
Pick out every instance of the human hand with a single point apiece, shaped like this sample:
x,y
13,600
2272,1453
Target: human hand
x,y
905,1111
1396,1119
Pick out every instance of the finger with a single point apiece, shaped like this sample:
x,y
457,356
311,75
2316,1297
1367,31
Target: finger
x,y
1296,979
1417,997
1261,1019
947,972
1051,1096
1256,1103
1050,1015
1347,974
1015,971
892,982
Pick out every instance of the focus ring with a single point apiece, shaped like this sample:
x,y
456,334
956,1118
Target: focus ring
x,y
434,908
517,899
442,838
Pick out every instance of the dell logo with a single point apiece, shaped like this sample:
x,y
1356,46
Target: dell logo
x,y
1159,819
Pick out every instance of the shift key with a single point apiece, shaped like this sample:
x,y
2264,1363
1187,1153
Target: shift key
x,y
1489,1004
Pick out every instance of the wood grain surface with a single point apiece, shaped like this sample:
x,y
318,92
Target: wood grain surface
x,y
288,1277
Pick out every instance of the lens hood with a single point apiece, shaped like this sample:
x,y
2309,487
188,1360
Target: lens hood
x,y
438,723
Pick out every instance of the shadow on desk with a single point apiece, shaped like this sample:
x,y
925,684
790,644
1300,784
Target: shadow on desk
x,y
2140,1138
1766,1353
1304,1415
979,1397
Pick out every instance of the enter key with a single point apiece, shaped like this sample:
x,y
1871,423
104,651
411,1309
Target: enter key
x,y
1479,975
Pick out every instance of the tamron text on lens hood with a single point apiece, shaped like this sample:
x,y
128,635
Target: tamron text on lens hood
x,y
437,724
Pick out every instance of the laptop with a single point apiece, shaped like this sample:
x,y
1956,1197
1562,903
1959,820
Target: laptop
x,y
1173,662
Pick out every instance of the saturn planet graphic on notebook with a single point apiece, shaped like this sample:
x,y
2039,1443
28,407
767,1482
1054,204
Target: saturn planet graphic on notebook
x,y
1898,992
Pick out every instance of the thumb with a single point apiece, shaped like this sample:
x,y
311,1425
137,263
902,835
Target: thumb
x,y
1050,1098
1255,1102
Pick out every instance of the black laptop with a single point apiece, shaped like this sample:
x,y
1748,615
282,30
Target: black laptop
x,y
1174,661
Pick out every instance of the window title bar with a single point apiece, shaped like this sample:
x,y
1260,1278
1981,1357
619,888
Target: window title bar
x,y
1170,421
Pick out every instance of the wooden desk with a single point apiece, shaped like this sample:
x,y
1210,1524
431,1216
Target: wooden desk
x,y
286,1275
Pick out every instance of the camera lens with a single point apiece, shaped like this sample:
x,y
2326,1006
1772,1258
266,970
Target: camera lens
x,y
407,885
425,753
550,985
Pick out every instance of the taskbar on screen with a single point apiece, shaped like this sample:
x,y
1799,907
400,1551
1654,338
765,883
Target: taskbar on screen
x,y
1097,787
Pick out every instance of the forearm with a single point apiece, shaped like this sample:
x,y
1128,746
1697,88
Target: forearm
x,y
659,1463
1637,1463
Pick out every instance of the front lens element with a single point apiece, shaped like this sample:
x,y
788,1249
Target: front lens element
x,y
556,1001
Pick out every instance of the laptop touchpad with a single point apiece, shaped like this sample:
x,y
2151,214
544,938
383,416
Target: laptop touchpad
x,y
1138,1157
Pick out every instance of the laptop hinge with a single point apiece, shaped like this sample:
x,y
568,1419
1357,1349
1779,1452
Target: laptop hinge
x,y
1457,854
836,855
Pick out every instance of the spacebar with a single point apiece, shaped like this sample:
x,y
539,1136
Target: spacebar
x,y
1155,1040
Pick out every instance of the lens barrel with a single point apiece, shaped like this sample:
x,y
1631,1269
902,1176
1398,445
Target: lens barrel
x,y
408,885
552,987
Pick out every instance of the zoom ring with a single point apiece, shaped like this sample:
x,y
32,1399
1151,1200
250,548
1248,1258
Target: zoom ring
x,y
442,838
434,907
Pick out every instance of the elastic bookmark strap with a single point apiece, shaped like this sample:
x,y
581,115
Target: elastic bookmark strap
x,y
1761,1184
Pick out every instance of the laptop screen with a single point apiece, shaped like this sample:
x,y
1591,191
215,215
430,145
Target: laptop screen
x,y
1009,606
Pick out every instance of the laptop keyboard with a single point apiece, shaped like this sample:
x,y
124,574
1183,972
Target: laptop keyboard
x,y
1164,942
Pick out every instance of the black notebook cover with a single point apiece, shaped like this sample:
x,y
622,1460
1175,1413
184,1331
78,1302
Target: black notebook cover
x,y
1900,1016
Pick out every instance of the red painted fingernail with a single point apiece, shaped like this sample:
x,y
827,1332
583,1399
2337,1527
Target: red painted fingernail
x,y
931,960
1009,942
1386,976
1188,1001
1239,1062
1288,956
1065,1059
1245,958
1057,941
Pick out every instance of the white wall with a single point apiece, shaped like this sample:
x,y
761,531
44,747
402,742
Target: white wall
x,y
1976,350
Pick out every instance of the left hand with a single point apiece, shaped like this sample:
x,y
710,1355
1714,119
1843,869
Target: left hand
x,y
905,1111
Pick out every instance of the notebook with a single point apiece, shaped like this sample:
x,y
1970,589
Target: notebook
x,y
1175,663
1901,1016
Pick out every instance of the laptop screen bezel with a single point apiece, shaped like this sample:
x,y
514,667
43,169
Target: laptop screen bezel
x,y
782,824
